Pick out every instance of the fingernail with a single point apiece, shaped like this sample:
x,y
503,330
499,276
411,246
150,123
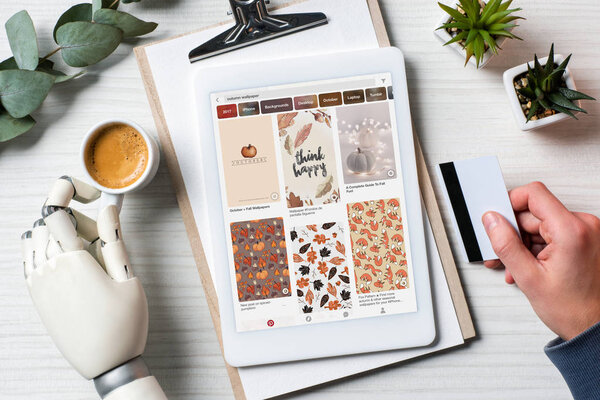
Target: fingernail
x,y
490,220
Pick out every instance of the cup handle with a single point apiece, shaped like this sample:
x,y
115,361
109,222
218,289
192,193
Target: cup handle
x,y
108,199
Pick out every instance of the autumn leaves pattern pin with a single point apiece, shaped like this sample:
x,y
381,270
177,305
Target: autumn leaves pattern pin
x,y
378,250
320,268
260,258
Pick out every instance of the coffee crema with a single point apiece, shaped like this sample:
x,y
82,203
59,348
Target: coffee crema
x,y
117,156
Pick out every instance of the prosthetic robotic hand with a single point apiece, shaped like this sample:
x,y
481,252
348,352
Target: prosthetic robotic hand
x,y
92,306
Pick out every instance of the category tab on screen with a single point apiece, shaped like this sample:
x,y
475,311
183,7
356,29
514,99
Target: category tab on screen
x,y
354,96
251,108
376,94
227,111
306,102
330,99
276,105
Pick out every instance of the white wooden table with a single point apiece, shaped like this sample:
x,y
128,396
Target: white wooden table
x,y
458,113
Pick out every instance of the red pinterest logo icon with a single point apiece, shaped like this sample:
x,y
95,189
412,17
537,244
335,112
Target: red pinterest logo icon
x,y
270,322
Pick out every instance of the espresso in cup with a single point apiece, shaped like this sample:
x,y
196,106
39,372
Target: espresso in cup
x,y
116,156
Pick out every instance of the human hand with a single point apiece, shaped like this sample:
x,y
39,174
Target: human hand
x,y
93,308
557,265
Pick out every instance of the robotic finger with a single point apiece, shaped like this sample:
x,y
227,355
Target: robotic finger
x,y
63,223
114,253
96,251
27,251
66,188
39,242
61,227
84,225
44,246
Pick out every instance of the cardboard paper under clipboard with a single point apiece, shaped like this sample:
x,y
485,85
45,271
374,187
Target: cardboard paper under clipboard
x,y
451,274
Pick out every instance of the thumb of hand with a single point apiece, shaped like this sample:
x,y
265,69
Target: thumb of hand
x,y
508,247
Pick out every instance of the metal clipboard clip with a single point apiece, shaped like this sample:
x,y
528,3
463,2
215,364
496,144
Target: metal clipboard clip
x,y
253,24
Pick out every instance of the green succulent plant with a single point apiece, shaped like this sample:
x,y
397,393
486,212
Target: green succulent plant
x,y
546,89
480,26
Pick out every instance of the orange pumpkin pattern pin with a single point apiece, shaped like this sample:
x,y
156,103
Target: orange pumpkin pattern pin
x,y
378,250
260,258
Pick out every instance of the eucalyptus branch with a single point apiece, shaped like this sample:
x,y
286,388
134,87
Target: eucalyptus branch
x,y
53,52
85,34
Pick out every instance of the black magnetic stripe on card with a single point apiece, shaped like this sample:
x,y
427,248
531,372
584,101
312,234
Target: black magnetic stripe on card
x,y
461,212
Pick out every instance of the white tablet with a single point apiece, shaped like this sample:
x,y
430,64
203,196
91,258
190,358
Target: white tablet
x,y
316,217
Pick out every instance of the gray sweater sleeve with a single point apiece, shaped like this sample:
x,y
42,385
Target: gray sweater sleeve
x,y
578,360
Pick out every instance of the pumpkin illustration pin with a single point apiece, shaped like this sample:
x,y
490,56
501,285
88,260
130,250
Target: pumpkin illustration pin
x,y
361,161
249,151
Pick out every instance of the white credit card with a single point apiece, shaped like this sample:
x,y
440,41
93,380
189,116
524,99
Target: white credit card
x,y
472,188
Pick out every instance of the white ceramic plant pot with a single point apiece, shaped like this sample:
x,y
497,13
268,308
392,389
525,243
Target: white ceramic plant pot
x,y
444,37
515,104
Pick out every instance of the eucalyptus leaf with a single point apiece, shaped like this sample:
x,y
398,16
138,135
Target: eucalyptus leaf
x,y
23,40
109,3
47,66
9,63
22,92
86,43
130,25
44,65
96,5
62,77
79,12
12,127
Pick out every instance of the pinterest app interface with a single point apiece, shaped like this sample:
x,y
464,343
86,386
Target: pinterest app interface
x,y
313,202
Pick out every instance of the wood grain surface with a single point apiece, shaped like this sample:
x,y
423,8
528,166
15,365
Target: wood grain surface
x,y
458,113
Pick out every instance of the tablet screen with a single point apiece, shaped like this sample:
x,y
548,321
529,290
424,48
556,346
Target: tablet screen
x,y
313,202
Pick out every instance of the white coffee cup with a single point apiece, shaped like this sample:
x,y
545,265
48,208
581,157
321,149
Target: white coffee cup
x,y
112,195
